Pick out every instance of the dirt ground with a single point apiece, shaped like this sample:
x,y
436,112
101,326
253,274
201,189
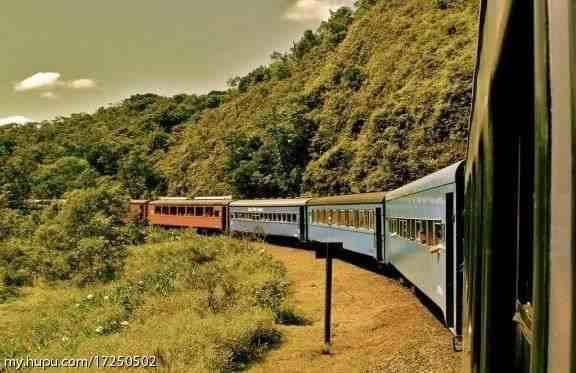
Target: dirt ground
x,y
379,325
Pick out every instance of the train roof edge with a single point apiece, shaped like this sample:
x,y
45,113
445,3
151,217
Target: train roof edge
x,y
444,176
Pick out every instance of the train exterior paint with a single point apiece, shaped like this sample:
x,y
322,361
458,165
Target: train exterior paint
x,y
277,217
202,214
423,238
137,211
354,220
520,254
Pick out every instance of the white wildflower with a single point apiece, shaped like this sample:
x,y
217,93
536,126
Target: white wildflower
x,y
90,296
65,339
77,304
140,282
99,329
106,297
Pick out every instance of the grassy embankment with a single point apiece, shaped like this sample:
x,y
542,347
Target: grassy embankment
x,y
199,304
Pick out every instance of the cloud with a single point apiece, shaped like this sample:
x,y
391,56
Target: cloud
x,y
314,10
37,81
45,81
82,84
17,119
48,94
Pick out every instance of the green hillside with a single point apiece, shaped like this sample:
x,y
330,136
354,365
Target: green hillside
x,y
373,98
368,102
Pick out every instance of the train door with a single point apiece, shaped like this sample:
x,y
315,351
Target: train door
x,y
379,235
454,262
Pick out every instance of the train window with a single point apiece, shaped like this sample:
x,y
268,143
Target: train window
x,y
199,211
216,213
173,211
190,211
157,210
438,234
421,231
352,218
429,231
209,211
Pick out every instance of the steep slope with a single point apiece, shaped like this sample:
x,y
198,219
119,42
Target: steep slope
x,y
370,101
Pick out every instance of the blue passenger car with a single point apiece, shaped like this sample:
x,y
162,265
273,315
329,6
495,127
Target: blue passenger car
x,y
354,220
424,238
270,217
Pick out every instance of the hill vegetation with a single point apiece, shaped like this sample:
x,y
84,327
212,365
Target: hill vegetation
x,y
195,304
373,98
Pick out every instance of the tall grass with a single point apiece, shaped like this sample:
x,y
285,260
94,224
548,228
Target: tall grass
x,y
199,305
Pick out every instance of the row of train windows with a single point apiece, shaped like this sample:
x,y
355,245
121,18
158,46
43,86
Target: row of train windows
x,y
266,217
358,219
426,232
187,211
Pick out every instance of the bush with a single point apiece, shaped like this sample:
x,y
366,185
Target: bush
x,y
84,240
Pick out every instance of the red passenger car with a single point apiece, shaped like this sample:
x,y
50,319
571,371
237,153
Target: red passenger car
x,y
204,214
137,211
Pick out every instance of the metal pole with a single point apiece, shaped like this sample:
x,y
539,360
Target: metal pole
x,y
328,302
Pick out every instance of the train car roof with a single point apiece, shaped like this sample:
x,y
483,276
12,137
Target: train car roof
x,y
349,199
139,201
445,176
280,202
191,202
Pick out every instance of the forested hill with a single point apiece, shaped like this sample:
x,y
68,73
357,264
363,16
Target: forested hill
x,y
373,98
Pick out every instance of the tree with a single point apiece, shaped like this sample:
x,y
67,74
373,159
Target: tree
x,y
84,240
138,175
68,173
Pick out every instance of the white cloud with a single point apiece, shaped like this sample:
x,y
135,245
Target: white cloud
x,y
82,84
314,10
38,80
16,119
44,81
48,95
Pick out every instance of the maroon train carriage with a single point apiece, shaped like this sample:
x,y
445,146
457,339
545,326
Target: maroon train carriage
x,y
137,211
204,214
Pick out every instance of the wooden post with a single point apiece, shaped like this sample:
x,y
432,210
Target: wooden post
x,y
329,251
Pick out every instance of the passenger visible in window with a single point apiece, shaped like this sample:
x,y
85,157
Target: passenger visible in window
x,y
438,241
421,230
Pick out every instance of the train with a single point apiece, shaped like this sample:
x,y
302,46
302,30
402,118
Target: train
x,y
519,220
416,229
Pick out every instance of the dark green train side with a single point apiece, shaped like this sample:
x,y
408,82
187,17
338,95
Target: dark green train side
x,y
519,194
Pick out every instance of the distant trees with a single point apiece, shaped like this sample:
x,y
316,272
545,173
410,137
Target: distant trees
x,y
139,175
52,180
270,164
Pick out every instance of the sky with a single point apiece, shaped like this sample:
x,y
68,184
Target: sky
x,y
59,57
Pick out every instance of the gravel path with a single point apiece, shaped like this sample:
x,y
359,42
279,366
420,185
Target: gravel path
x,y
379,325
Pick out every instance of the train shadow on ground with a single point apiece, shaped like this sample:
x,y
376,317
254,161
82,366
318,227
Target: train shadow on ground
x,y
366,263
